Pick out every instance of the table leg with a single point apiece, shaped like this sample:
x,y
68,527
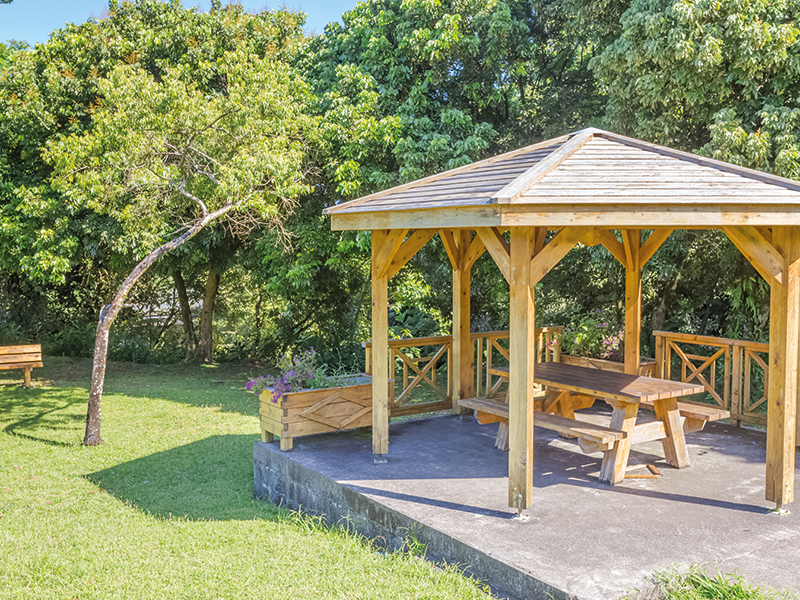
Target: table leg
x,y
675,442
615,461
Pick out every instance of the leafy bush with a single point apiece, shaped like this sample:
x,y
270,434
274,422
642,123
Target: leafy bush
x,y
300,372
595,337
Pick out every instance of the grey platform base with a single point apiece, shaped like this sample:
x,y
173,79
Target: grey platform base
x,y
445,482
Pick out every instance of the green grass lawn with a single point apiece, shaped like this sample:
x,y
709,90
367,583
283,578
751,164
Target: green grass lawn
x,y
164,508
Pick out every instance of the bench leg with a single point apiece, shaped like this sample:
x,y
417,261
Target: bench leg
x,y
615,461
675,443
501,441
267,436
286,444
27,377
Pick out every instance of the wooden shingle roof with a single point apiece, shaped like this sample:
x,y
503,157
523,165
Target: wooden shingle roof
x,y
590,177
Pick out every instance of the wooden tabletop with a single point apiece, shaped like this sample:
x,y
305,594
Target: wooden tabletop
x,y
608,384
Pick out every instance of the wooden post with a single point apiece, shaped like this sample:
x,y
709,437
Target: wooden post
x,y
462,344
380,350
736,384
633,300
784,324
522,349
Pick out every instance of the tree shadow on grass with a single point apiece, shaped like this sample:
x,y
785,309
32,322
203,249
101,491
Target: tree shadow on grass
x,y
210,479
41,415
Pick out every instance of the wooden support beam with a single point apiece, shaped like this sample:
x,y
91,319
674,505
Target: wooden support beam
x,y
497,246
408,249
474,250
592,237
784,350
391,241
380,344
554,251
463,349
612,244
653,243
766,259
451,247
522,350
766,233
633,300
541,239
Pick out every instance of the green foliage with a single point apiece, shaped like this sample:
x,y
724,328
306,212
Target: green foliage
x,y
718,75
53,91
412,88
595,336
163,152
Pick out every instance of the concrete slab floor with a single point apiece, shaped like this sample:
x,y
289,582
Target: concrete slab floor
x,y
583,537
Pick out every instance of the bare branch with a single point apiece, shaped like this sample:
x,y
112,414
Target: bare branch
x,y
184,192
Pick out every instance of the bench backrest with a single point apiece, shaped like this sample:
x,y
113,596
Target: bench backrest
x,y
29,353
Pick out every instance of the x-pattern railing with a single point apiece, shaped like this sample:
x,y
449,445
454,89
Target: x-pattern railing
x,y
740,361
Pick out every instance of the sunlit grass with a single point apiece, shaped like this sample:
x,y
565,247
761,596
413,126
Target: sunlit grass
x,y
697,583
164,508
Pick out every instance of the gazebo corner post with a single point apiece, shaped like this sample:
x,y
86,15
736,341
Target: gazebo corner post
x,y
784,351
380,349
633,300
522,351
463,351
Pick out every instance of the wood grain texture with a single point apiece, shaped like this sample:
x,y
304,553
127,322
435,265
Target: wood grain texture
x,y
380,348
784,328
521,386
408,249
463,350
758,251
556,249
514,190
633,299
498,248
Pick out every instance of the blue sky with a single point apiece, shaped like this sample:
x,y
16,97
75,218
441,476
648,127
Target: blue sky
x,y
33,20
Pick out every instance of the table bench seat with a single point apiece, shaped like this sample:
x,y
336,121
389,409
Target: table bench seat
x,y
491,411
695,416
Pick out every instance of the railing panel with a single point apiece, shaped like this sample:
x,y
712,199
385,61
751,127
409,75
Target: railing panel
x,y
422,374
734,373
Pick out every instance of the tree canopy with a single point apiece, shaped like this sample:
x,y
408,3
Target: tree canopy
x,y
94,121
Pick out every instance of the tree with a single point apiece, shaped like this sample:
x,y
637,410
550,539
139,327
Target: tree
x,y
167,158
683,72
69,258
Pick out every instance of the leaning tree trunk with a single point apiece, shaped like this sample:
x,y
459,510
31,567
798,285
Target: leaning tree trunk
x,y
109,313
186,312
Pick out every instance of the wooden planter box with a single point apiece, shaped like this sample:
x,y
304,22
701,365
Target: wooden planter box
x,y
647,366
316,411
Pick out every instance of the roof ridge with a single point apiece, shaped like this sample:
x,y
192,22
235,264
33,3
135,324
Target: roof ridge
x,y
436,176
511,192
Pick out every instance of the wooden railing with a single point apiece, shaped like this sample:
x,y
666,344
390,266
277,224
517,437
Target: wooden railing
x,y
422,374
491,352
734,373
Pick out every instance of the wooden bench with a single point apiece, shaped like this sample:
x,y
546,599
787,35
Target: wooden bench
x,y
494,411
695,416
21,357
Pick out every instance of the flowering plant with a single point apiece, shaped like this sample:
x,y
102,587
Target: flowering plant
x,y
299,372
595,337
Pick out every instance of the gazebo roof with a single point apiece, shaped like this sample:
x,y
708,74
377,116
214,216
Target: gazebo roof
x,y
590,177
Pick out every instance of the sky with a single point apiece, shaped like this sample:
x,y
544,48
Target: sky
x,y
32,21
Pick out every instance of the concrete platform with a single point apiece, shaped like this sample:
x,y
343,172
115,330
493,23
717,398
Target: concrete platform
x,y
583,539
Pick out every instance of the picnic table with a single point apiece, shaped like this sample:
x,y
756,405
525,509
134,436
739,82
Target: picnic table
x,y
570,387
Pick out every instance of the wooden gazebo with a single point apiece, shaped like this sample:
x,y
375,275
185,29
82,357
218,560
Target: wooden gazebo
x,y
584,185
